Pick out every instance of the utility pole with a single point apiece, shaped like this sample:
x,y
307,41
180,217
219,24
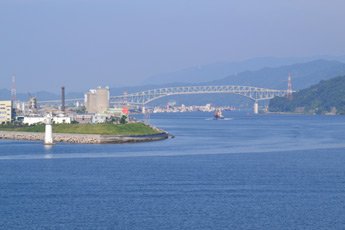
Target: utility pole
x,y
13,89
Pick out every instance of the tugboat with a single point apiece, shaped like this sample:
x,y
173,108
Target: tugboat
x,y
218,114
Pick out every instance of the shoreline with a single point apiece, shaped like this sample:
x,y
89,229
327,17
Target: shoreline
x,y
287,113
84,138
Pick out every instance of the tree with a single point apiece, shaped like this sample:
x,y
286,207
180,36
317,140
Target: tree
x,y
123,119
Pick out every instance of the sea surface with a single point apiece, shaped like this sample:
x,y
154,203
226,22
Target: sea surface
x,y
244,172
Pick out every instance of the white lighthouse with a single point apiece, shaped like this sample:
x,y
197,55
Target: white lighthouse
x,y
48,136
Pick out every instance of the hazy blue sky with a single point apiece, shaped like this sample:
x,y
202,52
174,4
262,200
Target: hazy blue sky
x,y
85,43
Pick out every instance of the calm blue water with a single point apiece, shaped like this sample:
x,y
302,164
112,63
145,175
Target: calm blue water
x,y
247,172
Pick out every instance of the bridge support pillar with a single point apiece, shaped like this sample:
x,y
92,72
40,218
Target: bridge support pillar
x,y
143,110
256,107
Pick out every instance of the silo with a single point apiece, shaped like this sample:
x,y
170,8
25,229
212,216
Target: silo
x,y
102,99
91,101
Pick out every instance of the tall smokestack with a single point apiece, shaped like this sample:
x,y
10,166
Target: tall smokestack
x,y
63,98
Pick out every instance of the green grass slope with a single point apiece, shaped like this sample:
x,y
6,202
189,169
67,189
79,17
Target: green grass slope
x,y
104,129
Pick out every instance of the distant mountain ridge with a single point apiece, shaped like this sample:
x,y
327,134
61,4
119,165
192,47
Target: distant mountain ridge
x,y
303,75
214,71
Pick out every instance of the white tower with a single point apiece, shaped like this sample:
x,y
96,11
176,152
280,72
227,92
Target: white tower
x,y
48,136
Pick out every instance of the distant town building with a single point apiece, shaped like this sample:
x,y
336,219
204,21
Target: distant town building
x,y
116,112
83,118
97,100
5,112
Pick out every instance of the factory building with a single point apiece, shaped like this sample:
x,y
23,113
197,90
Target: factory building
x,y
97,100
83,118
32,104
5,112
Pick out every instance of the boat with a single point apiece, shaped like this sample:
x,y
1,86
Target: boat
x,y
218,114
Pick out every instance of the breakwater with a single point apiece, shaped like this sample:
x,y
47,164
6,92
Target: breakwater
x,y
83,138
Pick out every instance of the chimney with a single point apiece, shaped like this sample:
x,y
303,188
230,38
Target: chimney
x,y
63,98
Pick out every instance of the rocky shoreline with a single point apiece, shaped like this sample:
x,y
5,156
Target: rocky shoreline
x,y
83,138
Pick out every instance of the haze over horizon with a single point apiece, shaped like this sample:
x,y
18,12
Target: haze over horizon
x,y
86,43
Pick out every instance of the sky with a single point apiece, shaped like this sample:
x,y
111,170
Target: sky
x,y
83,44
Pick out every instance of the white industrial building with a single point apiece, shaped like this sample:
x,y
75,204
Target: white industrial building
x,y
99,118
56,120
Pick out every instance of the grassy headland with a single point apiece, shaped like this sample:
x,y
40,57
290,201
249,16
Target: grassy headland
x,y
325,97
103,129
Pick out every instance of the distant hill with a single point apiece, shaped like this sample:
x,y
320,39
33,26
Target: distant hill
x,y
325,97
303,75
215,71
5,94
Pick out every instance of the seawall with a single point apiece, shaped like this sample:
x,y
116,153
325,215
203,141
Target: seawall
x,y
83,138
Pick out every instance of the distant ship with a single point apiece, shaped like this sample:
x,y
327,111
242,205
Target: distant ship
x,y
218,114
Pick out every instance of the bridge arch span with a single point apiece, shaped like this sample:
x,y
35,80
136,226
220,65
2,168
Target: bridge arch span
x,y
254,93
